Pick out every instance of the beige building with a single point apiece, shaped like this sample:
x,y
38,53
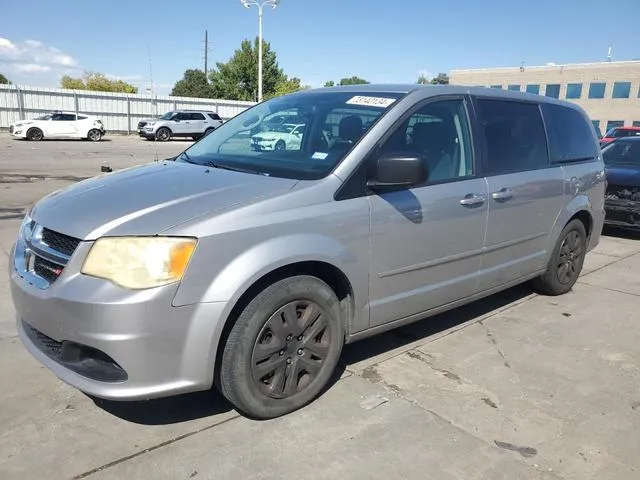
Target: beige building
x,y
608,91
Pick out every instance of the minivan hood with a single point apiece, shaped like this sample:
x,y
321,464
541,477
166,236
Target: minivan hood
x,y
149,199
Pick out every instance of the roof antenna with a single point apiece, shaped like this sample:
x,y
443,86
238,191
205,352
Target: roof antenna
x,y
609,55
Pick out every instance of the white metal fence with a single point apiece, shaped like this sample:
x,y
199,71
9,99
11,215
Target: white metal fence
x,y
120,112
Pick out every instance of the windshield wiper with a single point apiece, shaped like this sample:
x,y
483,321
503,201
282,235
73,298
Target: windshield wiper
x,y
185,156
235,169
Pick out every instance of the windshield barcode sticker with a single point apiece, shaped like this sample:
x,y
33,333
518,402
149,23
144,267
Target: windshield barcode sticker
x,y
381,102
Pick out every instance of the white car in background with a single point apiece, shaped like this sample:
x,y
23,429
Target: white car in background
x,y
59,125
287,136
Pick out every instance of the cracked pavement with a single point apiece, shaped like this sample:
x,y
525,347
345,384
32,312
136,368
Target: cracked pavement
x,y
514,386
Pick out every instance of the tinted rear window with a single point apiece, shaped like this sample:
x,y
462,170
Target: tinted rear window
x,y
514,136
570,135
214,116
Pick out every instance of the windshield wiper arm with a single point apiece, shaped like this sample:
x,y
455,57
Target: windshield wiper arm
x,y
235,169
185,156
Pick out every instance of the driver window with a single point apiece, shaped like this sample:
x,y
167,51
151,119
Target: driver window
x,y
439,132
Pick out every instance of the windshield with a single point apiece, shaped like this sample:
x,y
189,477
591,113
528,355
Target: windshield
x,y
329,125
167,116
622,153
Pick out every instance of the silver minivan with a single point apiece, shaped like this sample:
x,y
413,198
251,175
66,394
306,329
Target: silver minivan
x,y
250,269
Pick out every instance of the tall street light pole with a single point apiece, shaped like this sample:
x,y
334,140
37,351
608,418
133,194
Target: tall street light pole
x,y
260,5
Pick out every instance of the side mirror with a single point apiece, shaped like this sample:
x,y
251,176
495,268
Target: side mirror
x,y
399,170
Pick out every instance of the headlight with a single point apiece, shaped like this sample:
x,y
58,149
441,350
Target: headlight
x,y
26,229
139,262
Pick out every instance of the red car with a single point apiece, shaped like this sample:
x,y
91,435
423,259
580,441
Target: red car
x,y
619,132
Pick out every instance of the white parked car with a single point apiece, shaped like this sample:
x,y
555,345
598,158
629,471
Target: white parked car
x,y
180,123
287,136
59,125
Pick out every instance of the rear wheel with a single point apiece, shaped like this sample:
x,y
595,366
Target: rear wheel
x,y
566,261
163,134
283,348
35,134
208,131
94,135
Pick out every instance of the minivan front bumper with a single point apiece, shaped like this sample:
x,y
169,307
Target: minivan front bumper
x,y
114,343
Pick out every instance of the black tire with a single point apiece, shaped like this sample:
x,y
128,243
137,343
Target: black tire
x,y
208,131
196,137
307,349
94,135
163,134
280,146
566,261
35,134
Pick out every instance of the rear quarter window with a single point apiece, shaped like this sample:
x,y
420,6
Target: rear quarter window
x,y
214,116
514,136
571,137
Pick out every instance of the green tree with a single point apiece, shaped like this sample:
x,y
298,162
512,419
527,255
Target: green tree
x,y
238,78
288,85
72,83
193,84
441,79
97,82
330,83
422,79
4,80
353,81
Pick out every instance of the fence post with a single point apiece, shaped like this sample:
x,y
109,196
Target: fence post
x,y
128,115
20,102
75,101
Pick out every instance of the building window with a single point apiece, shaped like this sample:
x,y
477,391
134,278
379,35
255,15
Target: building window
x,y
611,124
636,123
596,90
574,90
514,88
621,89
534,88
499,87
552,90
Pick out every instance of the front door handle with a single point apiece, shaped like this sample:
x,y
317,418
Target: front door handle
x,y
502,195
472,200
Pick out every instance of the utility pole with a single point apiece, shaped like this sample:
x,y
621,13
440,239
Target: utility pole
x,y
206,52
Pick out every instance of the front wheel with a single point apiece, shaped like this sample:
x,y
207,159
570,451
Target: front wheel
x,y
566,261
163,134
94,135
280,146
283,348
35,134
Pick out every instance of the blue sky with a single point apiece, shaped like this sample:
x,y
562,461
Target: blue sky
x,y
316,40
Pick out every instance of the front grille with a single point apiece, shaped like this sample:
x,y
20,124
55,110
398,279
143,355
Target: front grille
x,y
48,270
10,128
60,242
141,124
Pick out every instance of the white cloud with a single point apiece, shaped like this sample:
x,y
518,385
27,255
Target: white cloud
x,y
31,68
31,61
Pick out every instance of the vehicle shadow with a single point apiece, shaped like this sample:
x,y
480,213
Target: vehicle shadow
x,y
182,408
623,233
423,329
167,411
